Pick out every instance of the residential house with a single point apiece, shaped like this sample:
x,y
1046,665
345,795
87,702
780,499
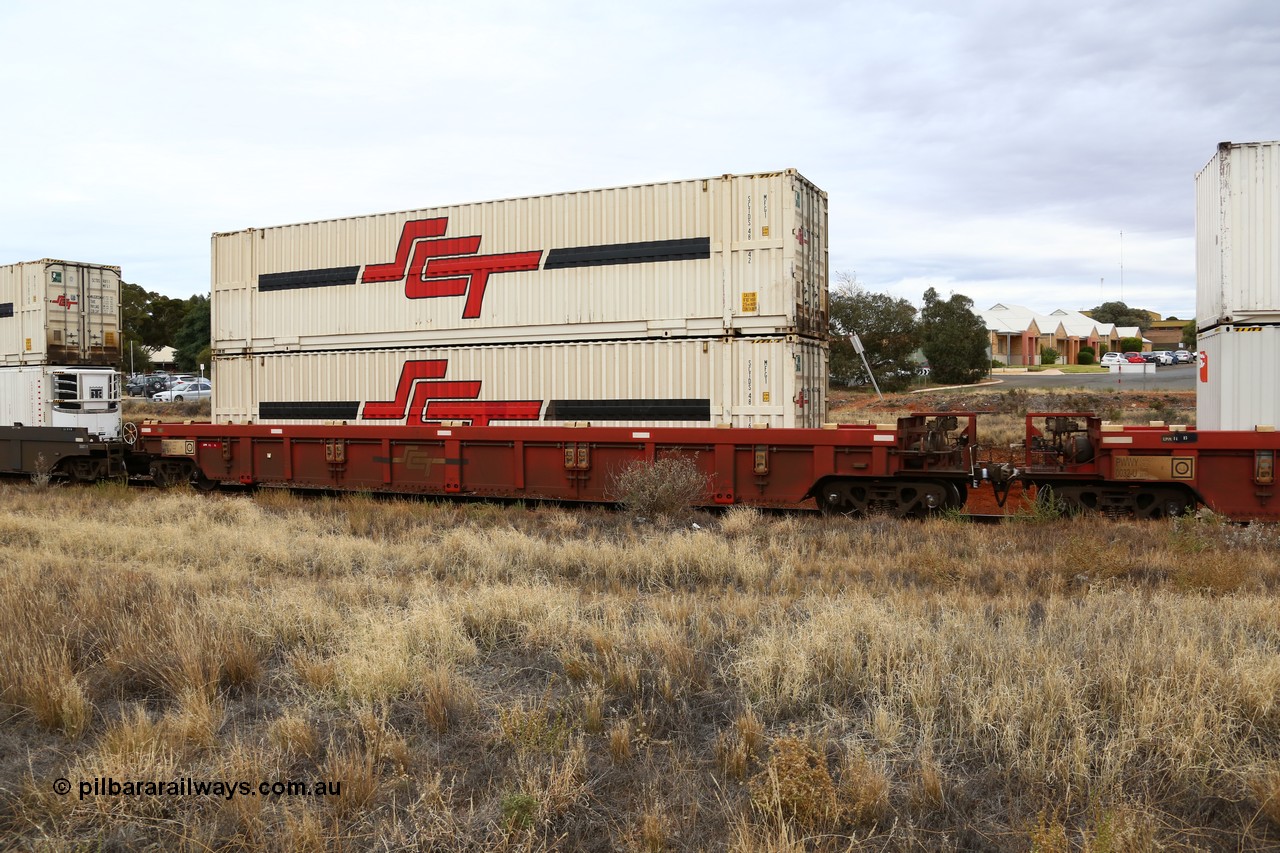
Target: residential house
x,y
1019,334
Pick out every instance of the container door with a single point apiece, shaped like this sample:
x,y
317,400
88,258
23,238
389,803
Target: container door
x,y
63,293
101,315
810,266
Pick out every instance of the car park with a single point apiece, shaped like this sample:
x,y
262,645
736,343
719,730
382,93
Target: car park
x,y
1110,358
183,391
1135,358
1183,356
1163,357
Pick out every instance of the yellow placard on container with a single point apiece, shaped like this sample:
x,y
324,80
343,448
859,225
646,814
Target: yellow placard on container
x,y
111,339
28,344
764,397
748,302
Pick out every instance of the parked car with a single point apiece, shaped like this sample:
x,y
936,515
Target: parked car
x,y
1183,356
1163,357
147,386
1110,358
1135,358
198,390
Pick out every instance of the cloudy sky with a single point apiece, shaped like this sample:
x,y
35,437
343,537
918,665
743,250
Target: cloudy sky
x,y
994,148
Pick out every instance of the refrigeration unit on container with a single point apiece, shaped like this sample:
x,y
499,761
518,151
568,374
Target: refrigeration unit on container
x,y
1238,235
59,312
778,381
1235,385
728,255
47,396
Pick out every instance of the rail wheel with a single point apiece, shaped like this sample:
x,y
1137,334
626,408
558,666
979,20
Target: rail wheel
x,y
844,497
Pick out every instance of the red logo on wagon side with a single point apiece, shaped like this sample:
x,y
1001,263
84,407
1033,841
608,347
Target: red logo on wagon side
x,y
423,396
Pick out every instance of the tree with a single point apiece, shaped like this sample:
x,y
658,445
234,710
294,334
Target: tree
x,y
148,319
1189,335
1119,314
1131,345
956,341
886,327
192,339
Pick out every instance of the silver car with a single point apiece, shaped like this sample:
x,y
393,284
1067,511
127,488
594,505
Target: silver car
x,y
198,389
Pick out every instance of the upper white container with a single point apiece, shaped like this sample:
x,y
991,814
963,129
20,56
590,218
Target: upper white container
x,y
1238,235
774,381
734,254
59,312
1236,379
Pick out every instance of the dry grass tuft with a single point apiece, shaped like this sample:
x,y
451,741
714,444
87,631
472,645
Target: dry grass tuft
x,y
448,699
795,785
1265,787
863,794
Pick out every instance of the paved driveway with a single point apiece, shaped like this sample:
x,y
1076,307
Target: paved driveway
x,y
1176,377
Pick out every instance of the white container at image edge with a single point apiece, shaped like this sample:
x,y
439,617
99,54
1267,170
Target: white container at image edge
x,y
1235,383
59,312
780,382
1238,235
733,254
47,396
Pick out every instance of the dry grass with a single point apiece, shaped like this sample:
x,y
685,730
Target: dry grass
x,y
507,678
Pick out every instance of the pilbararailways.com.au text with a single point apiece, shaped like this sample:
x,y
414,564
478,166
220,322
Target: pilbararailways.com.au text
x,y
226,789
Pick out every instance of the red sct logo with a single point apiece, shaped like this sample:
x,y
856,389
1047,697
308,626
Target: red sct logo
x,y
449,266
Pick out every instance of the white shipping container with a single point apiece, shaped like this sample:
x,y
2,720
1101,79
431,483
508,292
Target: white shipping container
x,y
779,381
1235,386
41,395
735,254
1238,235
59,312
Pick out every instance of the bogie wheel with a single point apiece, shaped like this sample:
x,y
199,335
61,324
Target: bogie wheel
x,y
170,472
841,497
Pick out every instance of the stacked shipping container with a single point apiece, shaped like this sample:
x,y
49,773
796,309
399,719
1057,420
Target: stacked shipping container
x,y
700,301
59,312
59,343
1238,286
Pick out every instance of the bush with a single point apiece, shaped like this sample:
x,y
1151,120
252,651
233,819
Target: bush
x,y
1048,355
663,487
1085,357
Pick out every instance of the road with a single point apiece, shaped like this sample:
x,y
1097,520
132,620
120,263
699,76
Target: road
x,y
1176,377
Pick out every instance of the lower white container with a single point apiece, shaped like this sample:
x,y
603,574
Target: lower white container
x,y
43,396
778,381
1236,380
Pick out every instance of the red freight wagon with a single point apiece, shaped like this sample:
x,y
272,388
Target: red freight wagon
x,y
1150,471
921,463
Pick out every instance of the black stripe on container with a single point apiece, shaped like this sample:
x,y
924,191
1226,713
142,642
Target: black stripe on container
x,y
308,278
6,309
694,248
629,410
285,411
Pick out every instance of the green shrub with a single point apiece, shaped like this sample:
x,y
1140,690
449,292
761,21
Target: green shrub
x,y
1048,355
